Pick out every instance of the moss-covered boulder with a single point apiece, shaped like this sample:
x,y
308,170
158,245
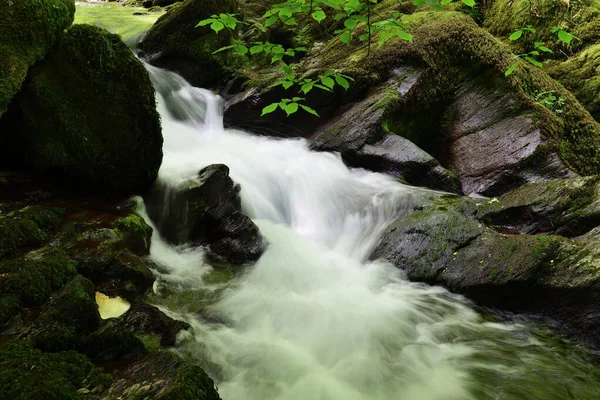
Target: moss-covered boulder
x,y
175,43
28,28
444,243
87,117
581,75
580,18
29,374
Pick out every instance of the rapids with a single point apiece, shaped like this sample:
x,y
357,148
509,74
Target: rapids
x,y
314,318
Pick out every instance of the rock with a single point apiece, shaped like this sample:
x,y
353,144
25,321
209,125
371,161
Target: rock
x,y
33,277
580,75
207,211
498,145
146,319
112,341
505,16
174,42
565,207
162,375
399,157
27,226
29,29
70,126
47,375
9,307
444,244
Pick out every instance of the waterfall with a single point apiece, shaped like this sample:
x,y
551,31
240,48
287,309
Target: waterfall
x,y
314,319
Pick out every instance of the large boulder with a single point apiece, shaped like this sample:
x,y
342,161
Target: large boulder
x,y
28,30
87,116
174,42
447,242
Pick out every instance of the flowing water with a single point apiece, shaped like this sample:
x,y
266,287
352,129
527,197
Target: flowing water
x,y
313,319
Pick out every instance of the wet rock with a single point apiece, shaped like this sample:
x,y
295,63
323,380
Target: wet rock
x,y
112,341
46,375
175,43
147,319
444,244
207,211
565,207
64,133
28,30
498,145
399,157
162,375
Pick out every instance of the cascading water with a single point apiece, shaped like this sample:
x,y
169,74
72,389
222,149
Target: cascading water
x,y
313,319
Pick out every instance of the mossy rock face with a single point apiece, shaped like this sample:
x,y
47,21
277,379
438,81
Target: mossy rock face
x,y
112,341
581,75
33,277
9,306
27,226
29,29
87,116
174,42
29,374
566,207
580,18
163,375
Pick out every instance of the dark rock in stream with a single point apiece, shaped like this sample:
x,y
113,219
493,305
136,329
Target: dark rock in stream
x,y
207,211
147,319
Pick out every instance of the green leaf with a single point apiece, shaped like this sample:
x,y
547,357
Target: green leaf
x,y
534,62
327,81
342,82
470,3
223,49
269,109
404,35
512,68
291,108
309,110
346,37
205,22
271,20
350,23
217,26
444,2
241,49
256,49
287,84
564,36
276,57
287,69
516,34
540,45
307,87
290,21
322,87
319,15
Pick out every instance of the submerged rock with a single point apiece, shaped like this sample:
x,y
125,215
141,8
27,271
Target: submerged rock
x,y
29,29
67,123
174,42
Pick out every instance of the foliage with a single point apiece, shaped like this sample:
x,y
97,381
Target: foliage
x,y
352,20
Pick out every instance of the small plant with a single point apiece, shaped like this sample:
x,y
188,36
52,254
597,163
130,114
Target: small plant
x,y
551,101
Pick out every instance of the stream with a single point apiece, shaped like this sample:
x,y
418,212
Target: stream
x,y
314,319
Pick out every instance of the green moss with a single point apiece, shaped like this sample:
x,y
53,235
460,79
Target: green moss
x,y
35,276
73,128
580,74
29,374
28,28
112,341
74,306
151,342
136,233
582,18
27,227
9,306
191,383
